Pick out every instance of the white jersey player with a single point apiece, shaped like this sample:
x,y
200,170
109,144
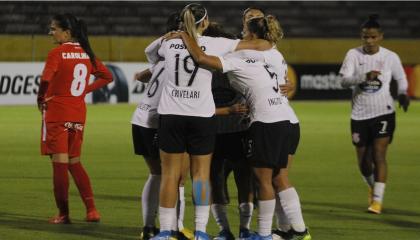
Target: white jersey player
x,y
368,70
187,120
270,125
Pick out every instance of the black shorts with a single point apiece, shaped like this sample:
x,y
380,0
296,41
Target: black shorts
x,y
294,138
268,144
194,135
145,141
363,132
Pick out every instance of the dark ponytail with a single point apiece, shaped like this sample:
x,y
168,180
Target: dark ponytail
x,y
267,28
372,22
78,30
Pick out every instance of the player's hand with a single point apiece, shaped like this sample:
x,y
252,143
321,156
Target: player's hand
x,y
137,76
404,101
42,105
286,88
172,35
238,109
372,75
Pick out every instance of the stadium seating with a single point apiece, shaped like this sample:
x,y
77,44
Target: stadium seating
x,y
299,18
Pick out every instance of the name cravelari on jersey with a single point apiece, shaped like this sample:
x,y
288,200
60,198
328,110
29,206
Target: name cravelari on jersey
x,y
191,94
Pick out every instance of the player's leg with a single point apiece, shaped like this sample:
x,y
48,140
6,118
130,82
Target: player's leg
x,y
382,132
219,173
145,144
185,232
80,176
54,142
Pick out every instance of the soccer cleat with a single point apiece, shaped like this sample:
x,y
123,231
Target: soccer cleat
x,y
199,235
256,236
279,235
244,234
225,234
294,235
375,207
93,216
164,235
186,233
370,195
148,232
60,219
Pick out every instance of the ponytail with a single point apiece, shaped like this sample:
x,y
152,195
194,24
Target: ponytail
x,y
78,31
267,28
192,15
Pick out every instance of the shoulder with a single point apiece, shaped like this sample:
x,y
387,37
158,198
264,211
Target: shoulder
x,y
388,53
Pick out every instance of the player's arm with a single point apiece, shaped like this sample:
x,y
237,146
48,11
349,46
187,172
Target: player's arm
x,y
255,44
347,73
152,51
50,69
103,77
399,75
234,109
199,55
143,76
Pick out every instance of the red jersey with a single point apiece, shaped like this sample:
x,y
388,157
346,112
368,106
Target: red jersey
x,y
67,70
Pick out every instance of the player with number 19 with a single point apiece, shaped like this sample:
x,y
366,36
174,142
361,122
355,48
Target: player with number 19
x,y
64,84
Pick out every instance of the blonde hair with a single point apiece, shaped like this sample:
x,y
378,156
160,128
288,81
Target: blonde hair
x,y
275,31
267,28
192,15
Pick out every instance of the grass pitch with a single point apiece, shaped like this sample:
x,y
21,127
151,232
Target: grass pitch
x,y
333,195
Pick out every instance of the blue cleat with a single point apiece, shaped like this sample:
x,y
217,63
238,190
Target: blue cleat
x,y
164,235
199,235
225,234
256,236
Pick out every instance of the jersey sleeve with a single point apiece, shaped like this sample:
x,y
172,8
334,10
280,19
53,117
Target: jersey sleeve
x,y
348,71
51,65
226,45
399,75
230,64
103,77
152,51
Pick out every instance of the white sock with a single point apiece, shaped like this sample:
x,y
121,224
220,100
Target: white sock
x,y
166,218
150,200
290,203
181,207
283,222
370,180
245,214
220,215
378,191
175,220
201,217
265,216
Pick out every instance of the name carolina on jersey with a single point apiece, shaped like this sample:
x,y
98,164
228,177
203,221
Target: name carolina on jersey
x,y
74,55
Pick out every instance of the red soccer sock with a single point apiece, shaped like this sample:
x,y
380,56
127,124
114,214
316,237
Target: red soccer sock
x,y
83,184
61,186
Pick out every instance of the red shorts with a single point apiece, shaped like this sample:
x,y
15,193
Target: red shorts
x,y
62,137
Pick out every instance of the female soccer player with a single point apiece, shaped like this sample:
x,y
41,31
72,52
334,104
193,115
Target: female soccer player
x,y
368,69
64,84
269,112
187,119
145,121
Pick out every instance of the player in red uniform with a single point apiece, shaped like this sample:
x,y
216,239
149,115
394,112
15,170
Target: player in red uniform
x,y
64,84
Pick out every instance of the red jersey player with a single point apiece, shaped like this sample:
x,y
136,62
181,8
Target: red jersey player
x,y
64,84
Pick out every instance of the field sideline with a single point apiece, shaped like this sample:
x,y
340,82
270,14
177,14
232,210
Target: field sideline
x,y
333,195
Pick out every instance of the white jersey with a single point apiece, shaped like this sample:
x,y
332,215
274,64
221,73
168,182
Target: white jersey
x,y
146,114
187,89
259,83
372,98
275,60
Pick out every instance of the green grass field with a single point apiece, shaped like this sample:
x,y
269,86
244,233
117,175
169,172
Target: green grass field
x,y
333,195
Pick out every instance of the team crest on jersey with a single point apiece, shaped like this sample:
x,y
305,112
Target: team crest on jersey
x,y
371,86
355,137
